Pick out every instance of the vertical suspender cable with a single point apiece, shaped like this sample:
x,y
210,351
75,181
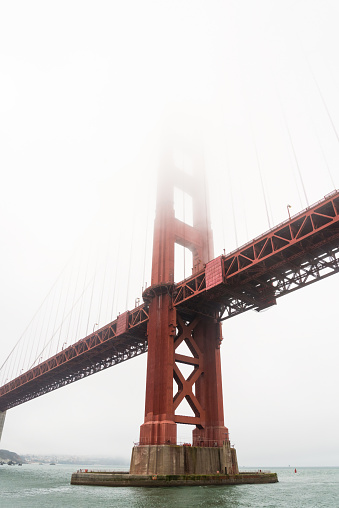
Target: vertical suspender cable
x,y
290,140
259,166
31,355
295,158
103,284
69,313
226,183
49,319
74,296
41,332
116,274
57,314
229,179
130,254
220,189
82,300
129,268
291,143
209,254
145,246
67,293
34,316
328,114
233,210
91,300
320,92
184,219
260,175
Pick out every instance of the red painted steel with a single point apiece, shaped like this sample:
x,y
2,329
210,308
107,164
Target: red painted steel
x,y
122,323
214,273
203,338
96,352
167,329
290,256
298,252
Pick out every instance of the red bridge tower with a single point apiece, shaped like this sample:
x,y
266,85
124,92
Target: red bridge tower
x,y
168,327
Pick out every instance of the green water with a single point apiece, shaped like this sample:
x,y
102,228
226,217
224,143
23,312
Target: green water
x,y
33,486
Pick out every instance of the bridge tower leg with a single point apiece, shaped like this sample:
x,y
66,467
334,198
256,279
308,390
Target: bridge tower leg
x,y
2,422
168,328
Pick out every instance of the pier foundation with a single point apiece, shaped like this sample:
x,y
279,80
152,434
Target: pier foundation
x,y
183,460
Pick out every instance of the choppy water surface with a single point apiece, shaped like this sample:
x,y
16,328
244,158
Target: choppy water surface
x,y
33,486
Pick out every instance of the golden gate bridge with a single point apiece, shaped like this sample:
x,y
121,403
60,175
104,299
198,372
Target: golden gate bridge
x,y
70,344
296,253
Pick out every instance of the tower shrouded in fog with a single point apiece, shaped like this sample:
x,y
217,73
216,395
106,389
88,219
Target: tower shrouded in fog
x,y
169,327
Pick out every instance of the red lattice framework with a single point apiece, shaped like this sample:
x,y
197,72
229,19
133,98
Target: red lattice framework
x,y
185,386
116,342
290,256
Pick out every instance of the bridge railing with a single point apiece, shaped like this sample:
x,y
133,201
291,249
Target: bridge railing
x,y
289,256
285,222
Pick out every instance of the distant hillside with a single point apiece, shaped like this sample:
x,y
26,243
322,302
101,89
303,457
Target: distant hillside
x,y
6,456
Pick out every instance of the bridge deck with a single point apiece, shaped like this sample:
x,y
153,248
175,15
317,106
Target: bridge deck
x,y
116,342
292,255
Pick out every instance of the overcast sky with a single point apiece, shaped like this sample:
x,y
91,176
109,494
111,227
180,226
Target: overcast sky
x,y
85,89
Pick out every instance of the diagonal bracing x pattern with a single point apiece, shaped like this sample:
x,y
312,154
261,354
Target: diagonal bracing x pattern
x,y
185,386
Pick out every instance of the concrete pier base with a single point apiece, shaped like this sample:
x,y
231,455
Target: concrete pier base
x,y
2,421
107,479
175,466
183,460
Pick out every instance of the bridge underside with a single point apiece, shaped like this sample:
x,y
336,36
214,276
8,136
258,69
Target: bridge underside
x,y
291,256
116,342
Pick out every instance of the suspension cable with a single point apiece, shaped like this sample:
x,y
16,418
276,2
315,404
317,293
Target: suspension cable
x,y
36,313
328,114
61,324
103,283
116,274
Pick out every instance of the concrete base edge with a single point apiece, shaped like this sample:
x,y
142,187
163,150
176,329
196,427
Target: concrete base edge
x,y
183,460
127,480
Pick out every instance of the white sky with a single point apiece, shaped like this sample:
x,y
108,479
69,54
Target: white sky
x,y
84,90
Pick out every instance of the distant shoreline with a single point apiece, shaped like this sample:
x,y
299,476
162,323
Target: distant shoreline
x,y
7,455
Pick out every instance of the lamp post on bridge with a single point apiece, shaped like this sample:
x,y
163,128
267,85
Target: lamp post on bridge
x,y
288,211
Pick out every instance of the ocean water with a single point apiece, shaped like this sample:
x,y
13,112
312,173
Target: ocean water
x,y
33,486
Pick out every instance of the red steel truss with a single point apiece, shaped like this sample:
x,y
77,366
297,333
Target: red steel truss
x,y
294,254
290,256
167,329
116,342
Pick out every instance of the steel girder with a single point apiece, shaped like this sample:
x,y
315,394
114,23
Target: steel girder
x,y
290,256
280,283
98,351
293,255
